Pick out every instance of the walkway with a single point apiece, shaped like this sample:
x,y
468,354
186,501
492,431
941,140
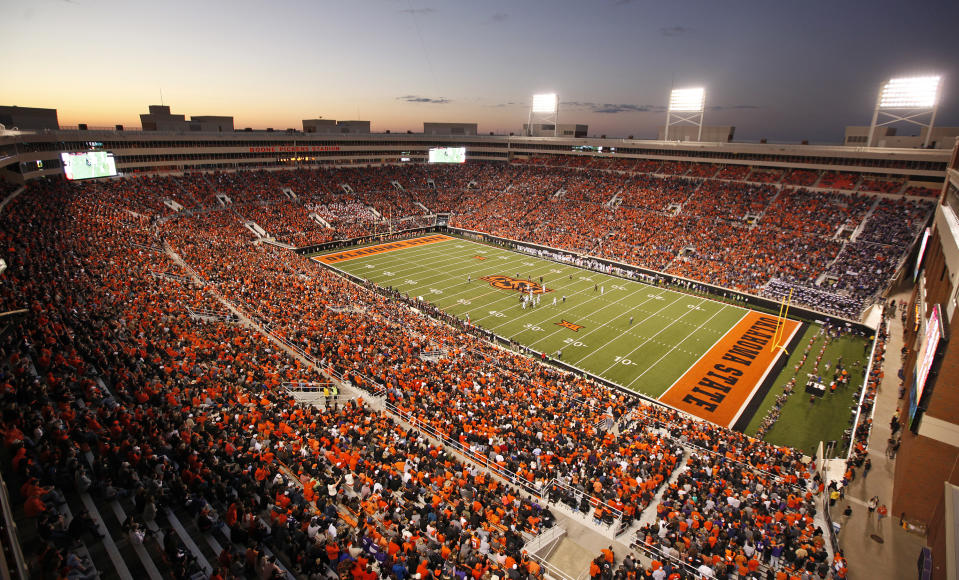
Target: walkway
x,y
878,550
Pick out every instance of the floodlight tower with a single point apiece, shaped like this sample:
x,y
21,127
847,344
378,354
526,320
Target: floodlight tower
x,y
686,106
545,109
908,99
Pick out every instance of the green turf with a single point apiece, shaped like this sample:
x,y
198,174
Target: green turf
x,y
804,425
670,330
669,333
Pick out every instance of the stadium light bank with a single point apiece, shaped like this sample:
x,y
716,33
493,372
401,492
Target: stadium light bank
x,y
910,100
686,106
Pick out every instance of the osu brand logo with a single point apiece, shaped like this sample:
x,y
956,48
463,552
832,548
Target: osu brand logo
x,y
510,283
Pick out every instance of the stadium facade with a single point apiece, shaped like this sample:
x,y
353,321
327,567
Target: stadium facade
x,y
25,156
927,479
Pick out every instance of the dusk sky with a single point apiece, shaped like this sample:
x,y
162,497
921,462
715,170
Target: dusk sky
x,y
781,69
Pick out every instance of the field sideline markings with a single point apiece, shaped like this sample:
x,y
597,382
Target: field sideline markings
x,y
730,406
382,248
514,256
608,277
494,291
707,321
443,273
419,268
517,319
443,254
598,296
580,337
507,297
619,336
707,351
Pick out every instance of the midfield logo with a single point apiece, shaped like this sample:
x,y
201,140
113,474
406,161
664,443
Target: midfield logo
x,y
510,283
569,325
479,257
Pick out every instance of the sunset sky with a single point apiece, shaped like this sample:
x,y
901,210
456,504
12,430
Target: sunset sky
x,y
782,69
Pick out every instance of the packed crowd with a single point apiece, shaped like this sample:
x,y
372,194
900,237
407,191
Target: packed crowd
x,y
192,412
881,185
111,388
741,235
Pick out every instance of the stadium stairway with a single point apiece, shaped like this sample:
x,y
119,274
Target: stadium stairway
x,y
13,195
346,391
379,403
862,224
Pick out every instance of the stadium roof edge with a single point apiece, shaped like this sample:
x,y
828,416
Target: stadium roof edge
x,y
508,140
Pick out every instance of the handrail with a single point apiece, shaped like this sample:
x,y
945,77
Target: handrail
x,y
865,385
725,458
617,513
516,479
656,552
551,569
12,535
305,386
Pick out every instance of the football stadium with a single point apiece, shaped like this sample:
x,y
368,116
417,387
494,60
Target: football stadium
x,y
537,354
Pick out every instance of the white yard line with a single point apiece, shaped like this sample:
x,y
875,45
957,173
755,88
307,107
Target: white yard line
x,y
705,352
707,321
580,337
678,298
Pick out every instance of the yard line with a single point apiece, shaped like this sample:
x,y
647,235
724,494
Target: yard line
x,y
445,273
449,298
619,336
707,351
509,298
638,306
707,321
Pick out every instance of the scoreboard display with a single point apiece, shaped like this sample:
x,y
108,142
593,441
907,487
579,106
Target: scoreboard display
x,y
88,165
447,155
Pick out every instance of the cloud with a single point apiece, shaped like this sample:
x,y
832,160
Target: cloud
x,y
732,107
612,108
419,99
499,17
418,11
673,30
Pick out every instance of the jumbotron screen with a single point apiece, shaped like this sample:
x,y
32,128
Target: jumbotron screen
x,y
88,165
448,155
926,356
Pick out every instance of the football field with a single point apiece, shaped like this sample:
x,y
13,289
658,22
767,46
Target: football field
x,y
696,354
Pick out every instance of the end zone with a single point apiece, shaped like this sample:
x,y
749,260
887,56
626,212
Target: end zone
x,y
337,257
721,383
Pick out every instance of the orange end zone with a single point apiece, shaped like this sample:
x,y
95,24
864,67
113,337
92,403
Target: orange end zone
x,y
721,383
381,248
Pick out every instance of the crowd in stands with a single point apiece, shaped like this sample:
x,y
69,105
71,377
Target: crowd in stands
x,y
733,172
112,386
736,234
765,176
701,170
801,177
821,299
838,180
161,409
881,185
922,191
